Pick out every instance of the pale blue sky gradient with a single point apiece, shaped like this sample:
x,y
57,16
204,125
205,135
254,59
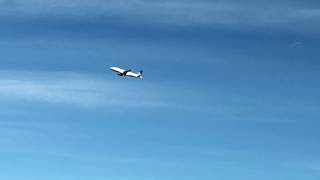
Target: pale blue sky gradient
x,y
230,90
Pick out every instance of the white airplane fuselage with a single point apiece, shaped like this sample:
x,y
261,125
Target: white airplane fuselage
x,y
129,73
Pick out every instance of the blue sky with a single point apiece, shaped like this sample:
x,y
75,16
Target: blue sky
x,y
230,90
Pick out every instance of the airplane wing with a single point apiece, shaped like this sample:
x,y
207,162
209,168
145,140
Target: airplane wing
x,y
122,72
119,70
126,72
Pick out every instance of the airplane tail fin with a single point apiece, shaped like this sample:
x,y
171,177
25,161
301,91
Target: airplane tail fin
x,y
140,74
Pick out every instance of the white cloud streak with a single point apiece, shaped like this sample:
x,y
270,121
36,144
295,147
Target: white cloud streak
x,y
54,88
85,91
311,165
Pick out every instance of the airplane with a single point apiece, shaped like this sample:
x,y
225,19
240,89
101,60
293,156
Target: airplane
x,y
122,72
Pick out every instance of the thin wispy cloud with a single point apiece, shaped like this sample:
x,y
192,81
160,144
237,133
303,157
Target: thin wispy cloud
x,y
91,91
311,166
65,88
296,44
84,90
278,15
